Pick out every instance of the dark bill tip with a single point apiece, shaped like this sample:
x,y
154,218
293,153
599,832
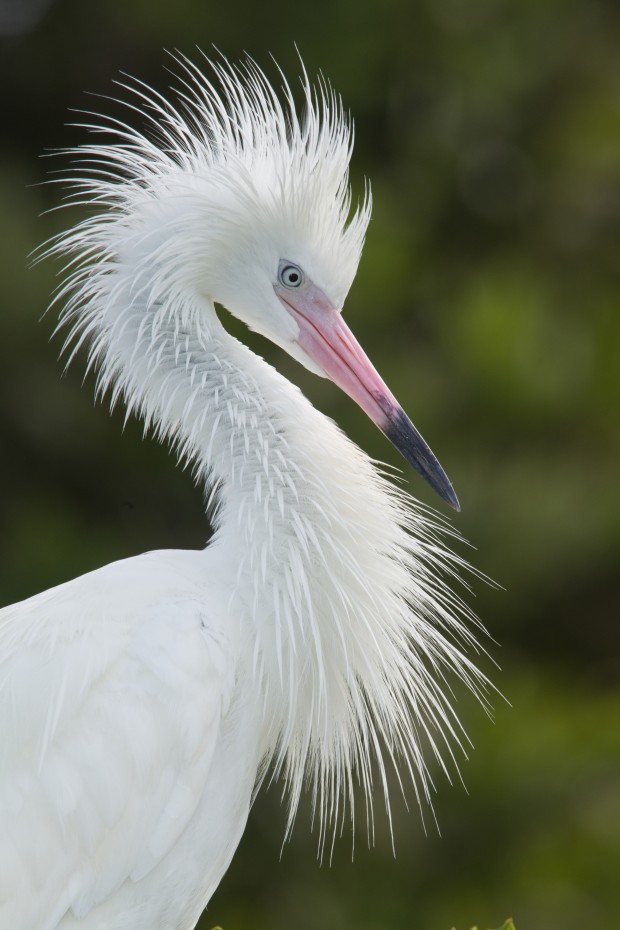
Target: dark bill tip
x,y
404,436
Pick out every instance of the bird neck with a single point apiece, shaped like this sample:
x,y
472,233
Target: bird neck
x,y
336,599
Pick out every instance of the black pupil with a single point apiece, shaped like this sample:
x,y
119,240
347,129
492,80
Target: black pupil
x,y
292,276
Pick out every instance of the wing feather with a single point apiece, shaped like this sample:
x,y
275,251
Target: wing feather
x,y
112,690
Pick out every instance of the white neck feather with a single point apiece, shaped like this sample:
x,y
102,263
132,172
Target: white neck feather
x,y
335,570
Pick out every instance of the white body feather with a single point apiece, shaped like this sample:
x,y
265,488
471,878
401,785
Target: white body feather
x,y
140,704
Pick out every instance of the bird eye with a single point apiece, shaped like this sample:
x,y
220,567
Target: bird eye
x,y
290,275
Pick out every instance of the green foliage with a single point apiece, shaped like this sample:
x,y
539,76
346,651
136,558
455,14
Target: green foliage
x,y
508,925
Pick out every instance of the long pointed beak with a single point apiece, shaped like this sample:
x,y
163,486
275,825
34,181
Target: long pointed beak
x,y
329,343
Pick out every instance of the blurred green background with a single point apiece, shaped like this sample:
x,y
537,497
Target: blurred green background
x,y
488,295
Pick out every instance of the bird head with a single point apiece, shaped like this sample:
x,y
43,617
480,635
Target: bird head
x,y
247,204
273,192
284,243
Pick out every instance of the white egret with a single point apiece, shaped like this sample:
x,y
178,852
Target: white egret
x,y
141,704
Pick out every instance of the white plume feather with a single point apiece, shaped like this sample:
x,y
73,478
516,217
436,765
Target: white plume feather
x,y
339,577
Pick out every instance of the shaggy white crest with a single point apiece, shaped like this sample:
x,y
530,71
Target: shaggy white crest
x,y
239,170
316,632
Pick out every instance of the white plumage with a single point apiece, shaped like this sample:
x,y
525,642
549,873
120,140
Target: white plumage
x,y
141,704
